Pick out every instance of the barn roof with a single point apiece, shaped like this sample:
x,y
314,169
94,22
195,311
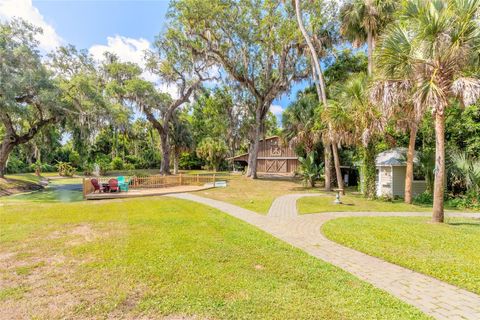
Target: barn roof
x,y
395,157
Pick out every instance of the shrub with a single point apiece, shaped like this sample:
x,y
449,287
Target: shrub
x,y
15,165
65,169
88,169
117,163
310,170
424,198
129,166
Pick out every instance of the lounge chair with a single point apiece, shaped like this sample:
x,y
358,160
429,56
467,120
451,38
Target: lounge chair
x,y
113,185
123,184
96,186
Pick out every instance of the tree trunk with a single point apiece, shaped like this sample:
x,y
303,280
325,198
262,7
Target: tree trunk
x,y
439,185
5,148
338,170
410,157
175,162
165,164
328,166
370,45
369,171
253,154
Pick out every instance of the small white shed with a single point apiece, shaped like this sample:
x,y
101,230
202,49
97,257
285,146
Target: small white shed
x,y
391,171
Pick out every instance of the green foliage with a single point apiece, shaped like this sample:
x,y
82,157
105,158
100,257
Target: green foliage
x,y
212,151
425,198
189,160
65,169
465,172
311,171
117,163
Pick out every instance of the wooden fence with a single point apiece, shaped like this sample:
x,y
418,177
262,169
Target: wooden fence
x,y
156,181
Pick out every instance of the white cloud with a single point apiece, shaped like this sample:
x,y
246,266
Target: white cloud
x,y
276,109
131,50
24,9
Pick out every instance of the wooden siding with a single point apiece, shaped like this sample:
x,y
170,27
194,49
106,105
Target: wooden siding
x,y
273,147
274,157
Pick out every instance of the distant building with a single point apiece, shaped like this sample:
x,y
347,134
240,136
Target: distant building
x,y
391,172
273,158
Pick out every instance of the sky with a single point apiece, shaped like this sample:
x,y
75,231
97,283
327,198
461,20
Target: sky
x,y
124,27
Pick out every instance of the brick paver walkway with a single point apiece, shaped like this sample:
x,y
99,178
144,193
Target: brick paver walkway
x,y
286,206
432,296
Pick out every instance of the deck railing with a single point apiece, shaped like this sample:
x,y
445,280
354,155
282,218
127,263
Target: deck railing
x,y
156,181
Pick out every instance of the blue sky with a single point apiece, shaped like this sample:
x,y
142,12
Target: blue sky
x,y
126,28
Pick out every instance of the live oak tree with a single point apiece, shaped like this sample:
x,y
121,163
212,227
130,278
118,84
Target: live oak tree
x,y
28,95
257,43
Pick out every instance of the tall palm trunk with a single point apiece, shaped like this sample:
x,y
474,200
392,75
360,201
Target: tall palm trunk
x,y
318,74
410,157
328,166
439,185
370,47
338,169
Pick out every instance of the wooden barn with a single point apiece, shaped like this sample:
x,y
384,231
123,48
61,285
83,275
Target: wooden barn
x,y
273,158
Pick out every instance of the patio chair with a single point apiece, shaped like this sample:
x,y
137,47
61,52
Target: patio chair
x,y
113,185
96,186
122,183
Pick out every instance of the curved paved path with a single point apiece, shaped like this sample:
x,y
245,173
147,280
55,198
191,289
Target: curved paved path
x,y
286,206
432,296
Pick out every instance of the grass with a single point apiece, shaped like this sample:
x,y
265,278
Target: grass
x,y
167,257
256,195
19,181
354,203
448,252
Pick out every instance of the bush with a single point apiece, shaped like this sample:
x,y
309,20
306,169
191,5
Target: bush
x,y
129,166
15,165
424,198
469,201
117,163
88,169
65,169
310,170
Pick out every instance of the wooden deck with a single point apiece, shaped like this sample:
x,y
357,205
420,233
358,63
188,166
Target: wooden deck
x,y
133,193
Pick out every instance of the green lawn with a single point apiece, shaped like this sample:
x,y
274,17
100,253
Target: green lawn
x,y
354,203
448,251
256,195
166,257
18,180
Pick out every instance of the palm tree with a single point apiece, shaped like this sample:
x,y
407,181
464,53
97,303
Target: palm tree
x,y
432,47
298,122
395,100
363,20
357,121
322,95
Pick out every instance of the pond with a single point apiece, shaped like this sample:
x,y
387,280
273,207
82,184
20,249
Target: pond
x,y
58,190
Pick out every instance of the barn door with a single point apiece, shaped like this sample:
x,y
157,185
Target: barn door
x,y
282,166
270,166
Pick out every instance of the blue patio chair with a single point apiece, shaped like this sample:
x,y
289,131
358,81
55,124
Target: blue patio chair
x,y
122,183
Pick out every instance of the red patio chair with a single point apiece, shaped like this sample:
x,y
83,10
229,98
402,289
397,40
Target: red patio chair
x,y
113,185
96,186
